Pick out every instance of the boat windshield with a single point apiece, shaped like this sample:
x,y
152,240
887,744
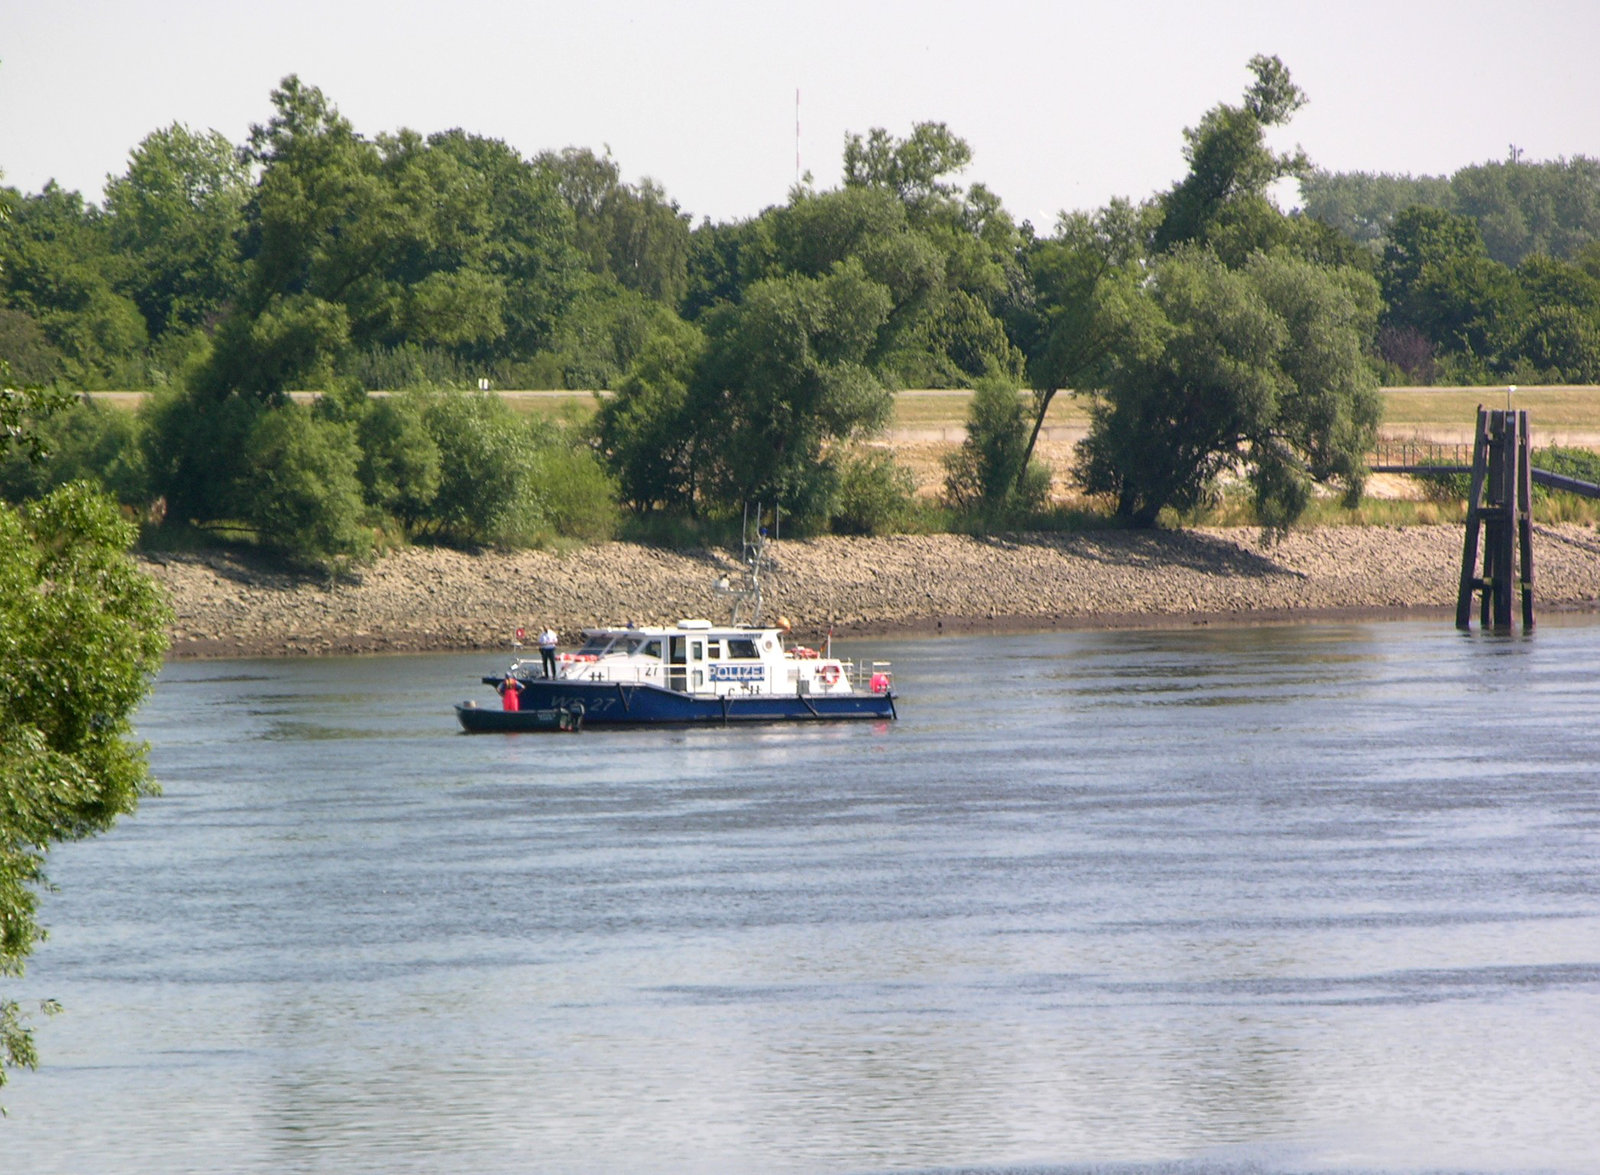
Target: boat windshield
x,y
634,645
595,645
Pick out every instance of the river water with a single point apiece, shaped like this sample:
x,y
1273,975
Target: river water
x,y
1236,899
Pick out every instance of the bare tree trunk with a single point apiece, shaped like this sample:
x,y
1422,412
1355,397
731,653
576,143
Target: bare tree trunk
x,y
1041,399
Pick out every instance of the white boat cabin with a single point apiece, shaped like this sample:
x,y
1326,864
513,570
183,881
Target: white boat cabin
x,y
696,657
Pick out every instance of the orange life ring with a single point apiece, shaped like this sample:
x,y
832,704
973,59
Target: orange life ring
x,y
829,674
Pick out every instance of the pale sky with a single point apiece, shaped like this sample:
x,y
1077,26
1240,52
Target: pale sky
x,y
1065,105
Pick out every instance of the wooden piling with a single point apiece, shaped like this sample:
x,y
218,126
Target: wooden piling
x,y
1499,510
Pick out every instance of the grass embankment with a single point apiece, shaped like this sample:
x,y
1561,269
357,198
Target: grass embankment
x,y
1406,410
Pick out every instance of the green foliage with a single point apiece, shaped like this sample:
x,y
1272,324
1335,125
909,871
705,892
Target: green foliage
x,y
1362,206
399,467
192,447
1481,321
68,766
516,227
579,496
989,475
1328,417
178,215
58,267
724,259
1526,208
783,375
954,341
1582,464
293,343
1519,208
1082,302
410,365
633,234
947,259
1231,167
1260,368
1548,504
816,232
301,488
604,332
31,358
912,168
874,495
645,431
452,242
21,411
485,494
85,442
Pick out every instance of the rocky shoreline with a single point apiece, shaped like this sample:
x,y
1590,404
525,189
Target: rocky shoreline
x,y
428,599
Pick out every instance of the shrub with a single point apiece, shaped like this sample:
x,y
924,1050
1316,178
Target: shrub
x,y
399,467
301,489
192,444
85,442
578,495
409,366
985,476
874,494
484,494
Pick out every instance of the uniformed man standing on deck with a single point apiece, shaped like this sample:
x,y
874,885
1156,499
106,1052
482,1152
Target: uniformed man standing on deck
x,y
547,650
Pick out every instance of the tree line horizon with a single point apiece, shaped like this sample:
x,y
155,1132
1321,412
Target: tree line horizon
x,y
753,359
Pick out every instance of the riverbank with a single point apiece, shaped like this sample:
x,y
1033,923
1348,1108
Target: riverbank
x,y
425,599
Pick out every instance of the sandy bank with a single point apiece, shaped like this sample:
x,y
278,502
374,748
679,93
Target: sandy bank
x,y
424,599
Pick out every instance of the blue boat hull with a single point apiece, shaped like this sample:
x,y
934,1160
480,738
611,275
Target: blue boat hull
x,y
615,704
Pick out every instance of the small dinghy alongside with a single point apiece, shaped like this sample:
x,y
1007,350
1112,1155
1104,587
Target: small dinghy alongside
x,y
482,720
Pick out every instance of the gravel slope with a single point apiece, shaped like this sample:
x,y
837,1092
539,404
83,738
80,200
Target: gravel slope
x,y
429,599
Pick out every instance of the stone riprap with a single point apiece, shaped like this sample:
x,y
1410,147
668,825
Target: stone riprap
x,y
434,599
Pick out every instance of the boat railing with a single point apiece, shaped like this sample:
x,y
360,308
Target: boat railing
x,y
869,676
624,674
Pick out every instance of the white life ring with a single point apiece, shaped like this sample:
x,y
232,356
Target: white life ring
x,y
829,675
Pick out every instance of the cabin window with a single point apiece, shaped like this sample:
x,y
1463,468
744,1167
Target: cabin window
x,y
742,647
714,650
653,649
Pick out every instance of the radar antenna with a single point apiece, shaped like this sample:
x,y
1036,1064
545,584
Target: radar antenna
x,y
745,593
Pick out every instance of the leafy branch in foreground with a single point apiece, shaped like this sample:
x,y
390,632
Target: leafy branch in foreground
x,y
72,605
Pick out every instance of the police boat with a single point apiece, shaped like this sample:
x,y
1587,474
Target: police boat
x,y
697,672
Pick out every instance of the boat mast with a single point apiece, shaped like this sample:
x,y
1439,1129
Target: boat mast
x,y
746,599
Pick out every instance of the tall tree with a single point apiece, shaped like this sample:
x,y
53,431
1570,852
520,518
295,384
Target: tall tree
x,y
633,233
1260,368
1079,303
1439,280
1362,205
946,257
179,213
783,376
57,266
913,168
1231,167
